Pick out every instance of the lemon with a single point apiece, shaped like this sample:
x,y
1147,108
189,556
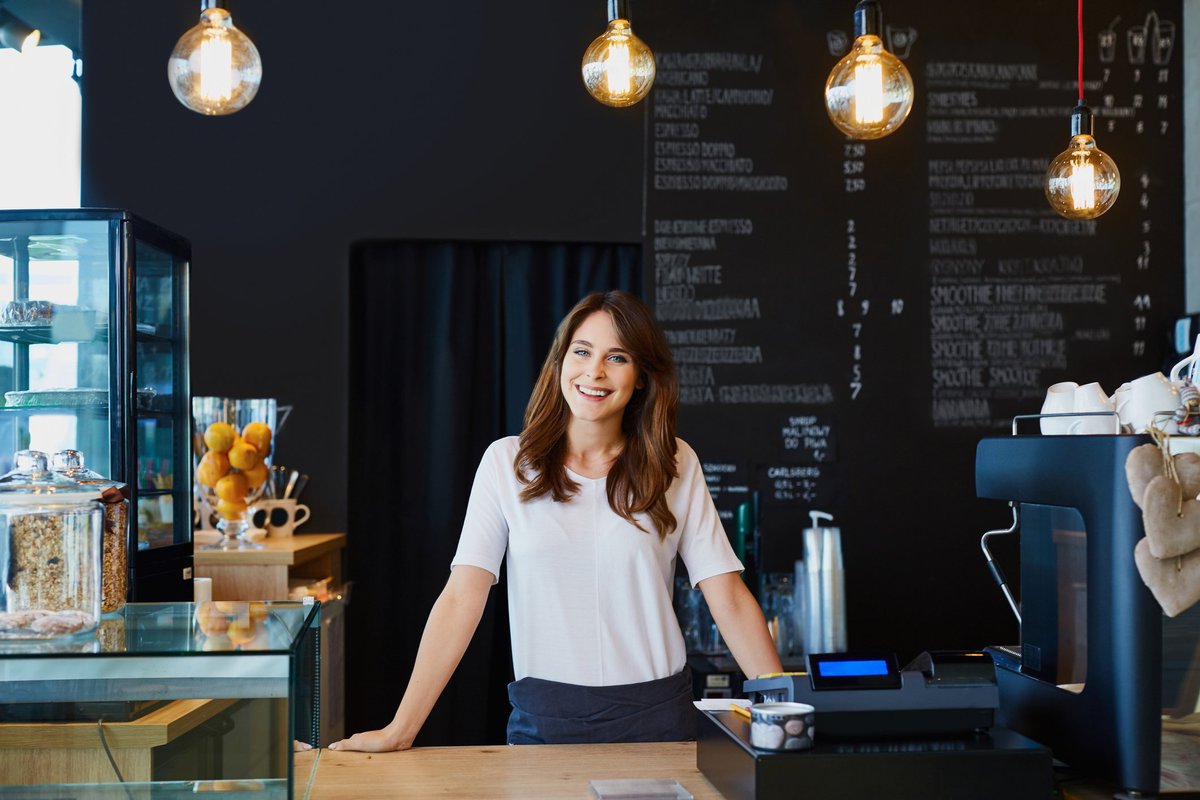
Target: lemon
x,y
233,487
219,437
256,476
243,456
212,468
259,435
231,509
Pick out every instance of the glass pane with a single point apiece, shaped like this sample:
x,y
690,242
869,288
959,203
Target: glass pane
x,y
155,480
155,373
154,291
54,349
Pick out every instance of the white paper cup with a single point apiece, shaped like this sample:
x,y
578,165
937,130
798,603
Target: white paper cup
x,y
782,726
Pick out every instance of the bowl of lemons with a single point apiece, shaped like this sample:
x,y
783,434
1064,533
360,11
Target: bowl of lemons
x,y
232,462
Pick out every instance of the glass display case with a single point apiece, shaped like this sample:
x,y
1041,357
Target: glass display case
x,y
94,357
172,696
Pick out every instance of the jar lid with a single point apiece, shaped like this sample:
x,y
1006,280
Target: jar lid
x,y
32,482
70,463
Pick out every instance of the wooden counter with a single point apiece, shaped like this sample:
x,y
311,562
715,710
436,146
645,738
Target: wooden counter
x,y
527,772
263,574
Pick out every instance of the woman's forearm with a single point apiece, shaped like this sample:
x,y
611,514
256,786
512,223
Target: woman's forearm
x,y
448,631
741,623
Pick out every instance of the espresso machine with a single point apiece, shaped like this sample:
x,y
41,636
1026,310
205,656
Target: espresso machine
x,y
1100,675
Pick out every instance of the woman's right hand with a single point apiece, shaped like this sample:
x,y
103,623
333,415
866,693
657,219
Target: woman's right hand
x,y
380,741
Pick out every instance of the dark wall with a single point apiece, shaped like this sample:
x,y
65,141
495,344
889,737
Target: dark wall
x,y
374,121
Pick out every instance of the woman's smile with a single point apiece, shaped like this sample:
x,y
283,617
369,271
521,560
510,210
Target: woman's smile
x,y
598,374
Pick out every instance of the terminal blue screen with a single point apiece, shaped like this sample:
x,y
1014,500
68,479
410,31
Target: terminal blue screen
x,y
852,669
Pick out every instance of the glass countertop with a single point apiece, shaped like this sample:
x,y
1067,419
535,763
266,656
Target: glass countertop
x,y
268,789
141,630
164,651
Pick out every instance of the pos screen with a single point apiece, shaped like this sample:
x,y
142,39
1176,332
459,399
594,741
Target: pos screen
x,y
853,671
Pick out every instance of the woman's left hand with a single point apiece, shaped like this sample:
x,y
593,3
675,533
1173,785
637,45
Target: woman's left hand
x,y
380,741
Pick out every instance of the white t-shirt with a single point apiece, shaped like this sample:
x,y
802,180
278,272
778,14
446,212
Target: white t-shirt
x,y
589,595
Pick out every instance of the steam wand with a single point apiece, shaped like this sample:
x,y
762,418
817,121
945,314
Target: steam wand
x,y
994,568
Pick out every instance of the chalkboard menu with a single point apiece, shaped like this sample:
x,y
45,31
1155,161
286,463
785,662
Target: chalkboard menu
x,y
849,318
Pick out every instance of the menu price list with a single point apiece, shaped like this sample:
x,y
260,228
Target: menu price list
x,y
708,188
1020,298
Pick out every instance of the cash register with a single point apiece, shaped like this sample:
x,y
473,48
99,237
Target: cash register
x,y
927,731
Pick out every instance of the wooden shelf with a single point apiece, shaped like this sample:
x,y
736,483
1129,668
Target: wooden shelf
x,y
287,551
155,728
71,752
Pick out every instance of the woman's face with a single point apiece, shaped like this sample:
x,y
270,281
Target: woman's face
x,y
598,374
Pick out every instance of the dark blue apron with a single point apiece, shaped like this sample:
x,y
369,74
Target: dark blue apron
x,y
548,712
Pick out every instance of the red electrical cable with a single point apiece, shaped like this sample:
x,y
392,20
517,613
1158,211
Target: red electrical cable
x,y
1080,36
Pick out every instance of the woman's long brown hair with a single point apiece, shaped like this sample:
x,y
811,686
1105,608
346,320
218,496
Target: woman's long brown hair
x,y
638,480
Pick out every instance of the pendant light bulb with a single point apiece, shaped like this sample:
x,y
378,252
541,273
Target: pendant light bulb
x,y
1082,182
215,69
869,92
618,67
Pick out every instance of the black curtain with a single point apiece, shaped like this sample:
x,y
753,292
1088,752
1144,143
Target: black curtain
x,y
446,339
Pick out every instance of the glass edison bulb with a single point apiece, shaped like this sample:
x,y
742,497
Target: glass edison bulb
x,y
618,67
869,92
215,68
1082,182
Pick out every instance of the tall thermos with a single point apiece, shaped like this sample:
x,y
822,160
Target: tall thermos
x,y
824,587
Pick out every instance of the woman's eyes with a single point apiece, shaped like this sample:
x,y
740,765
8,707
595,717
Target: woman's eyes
x,y
616,358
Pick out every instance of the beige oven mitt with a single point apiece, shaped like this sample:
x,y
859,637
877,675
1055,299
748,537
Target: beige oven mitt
x,y
1174,582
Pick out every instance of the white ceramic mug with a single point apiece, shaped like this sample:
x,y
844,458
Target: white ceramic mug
x,y
279,517
1060,399
1138,401
1091,399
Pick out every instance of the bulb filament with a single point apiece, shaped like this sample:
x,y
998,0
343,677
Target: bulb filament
x,y
1083,184
868,90
216,66
618,70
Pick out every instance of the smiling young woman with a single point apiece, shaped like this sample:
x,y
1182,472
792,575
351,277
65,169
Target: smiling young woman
x,y
645,419
589,509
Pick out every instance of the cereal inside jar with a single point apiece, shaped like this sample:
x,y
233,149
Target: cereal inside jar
x,y
114,550
50,534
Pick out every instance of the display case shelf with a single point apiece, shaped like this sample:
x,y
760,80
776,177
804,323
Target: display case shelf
x,y
44,334
98,411
146,336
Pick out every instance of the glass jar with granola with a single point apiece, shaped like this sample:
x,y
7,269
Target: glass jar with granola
x,y
50,532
